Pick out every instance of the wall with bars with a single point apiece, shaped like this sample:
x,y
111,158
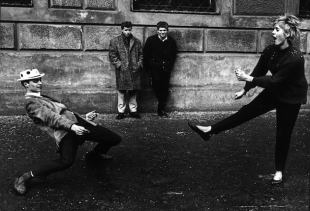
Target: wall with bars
x,y
68,40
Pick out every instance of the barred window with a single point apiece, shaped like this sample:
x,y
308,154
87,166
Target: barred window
x,y
16,3
199,6
304,8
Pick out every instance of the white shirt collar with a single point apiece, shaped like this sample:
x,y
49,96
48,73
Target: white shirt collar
x,y
33,94
163,39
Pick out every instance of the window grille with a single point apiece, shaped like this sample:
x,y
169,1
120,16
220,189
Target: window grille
x,y
16,3
199,6
304,8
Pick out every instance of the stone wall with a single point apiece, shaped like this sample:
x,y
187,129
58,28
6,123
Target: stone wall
x,y
68,40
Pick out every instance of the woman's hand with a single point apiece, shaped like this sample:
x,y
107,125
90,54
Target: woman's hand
x,y
240,94
242,76
91,116
79,130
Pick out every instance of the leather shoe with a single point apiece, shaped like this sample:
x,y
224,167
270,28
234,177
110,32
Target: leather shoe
x,y
120,116
203,135
276,182
135,115
162,114
20,183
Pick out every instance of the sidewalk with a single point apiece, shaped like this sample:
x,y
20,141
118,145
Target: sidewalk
x,y
160,165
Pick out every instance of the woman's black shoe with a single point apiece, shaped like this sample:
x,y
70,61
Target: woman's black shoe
x,y
203,135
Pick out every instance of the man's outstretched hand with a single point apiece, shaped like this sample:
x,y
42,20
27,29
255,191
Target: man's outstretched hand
x,y
91,116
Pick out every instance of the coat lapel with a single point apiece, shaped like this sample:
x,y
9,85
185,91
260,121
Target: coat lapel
x,y
132,41
122,45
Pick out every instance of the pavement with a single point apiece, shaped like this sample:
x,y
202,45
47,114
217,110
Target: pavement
x,y
160,165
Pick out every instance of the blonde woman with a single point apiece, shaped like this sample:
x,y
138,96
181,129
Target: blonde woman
x,y
285,90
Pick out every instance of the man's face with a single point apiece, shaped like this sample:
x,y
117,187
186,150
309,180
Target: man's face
x,y
162,32
34,86
127,31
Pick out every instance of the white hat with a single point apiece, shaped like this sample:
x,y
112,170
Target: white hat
x,y
30,74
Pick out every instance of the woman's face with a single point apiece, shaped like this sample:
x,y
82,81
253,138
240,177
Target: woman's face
x,y
279,36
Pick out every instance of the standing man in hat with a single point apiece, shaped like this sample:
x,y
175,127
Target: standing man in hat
x,y
67,128
126,55
159,55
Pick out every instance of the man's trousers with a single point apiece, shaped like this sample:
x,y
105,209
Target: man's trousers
x,y
69,144
160,84
286,115
132,100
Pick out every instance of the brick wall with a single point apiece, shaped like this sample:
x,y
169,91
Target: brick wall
x,y
69,39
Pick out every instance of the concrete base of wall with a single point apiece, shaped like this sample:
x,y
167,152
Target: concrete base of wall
x,y
180,99
199,82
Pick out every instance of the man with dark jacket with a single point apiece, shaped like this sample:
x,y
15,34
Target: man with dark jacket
x,y
126,55
159,56
67,128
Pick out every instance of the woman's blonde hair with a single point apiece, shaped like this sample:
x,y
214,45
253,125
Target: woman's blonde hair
x,y
289,23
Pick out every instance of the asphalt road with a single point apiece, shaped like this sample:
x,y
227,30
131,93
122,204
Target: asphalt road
x,y
160,165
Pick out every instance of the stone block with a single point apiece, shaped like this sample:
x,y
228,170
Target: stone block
x,y
227,40
307,70
98,38
200,70
267,39
81,101
66,3
187,39
303,41
7,35
207,98
308,43
12,102
58,37
147,101
260,7
100,4
65,71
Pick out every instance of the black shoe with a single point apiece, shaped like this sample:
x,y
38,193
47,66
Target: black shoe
x,y
20,183
276,182
135,115
162,114
203,135
120,116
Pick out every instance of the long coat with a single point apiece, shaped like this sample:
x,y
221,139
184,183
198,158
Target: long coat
x,y
127,62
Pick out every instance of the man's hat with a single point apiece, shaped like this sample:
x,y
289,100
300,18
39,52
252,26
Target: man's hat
x,y
30,74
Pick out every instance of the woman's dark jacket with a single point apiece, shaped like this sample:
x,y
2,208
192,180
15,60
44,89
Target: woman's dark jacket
x,y
287,82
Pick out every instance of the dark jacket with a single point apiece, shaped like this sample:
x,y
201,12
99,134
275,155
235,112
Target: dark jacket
x,y
158,54
287,82
127,62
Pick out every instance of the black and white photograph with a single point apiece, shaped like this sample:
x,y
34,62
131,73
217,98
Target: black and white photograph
x,y
154,105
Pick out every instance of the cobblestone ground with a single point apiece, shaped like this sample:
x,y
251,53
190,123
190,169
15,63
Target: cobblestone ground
x,y
160,165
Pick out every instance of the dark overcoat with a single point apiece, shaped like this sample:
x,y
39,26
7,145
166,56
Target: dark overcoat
x,y
127,62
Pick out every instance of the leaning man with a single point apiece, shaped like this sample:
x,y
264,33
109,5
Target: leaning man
x,y
125,53
160,52
66,127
